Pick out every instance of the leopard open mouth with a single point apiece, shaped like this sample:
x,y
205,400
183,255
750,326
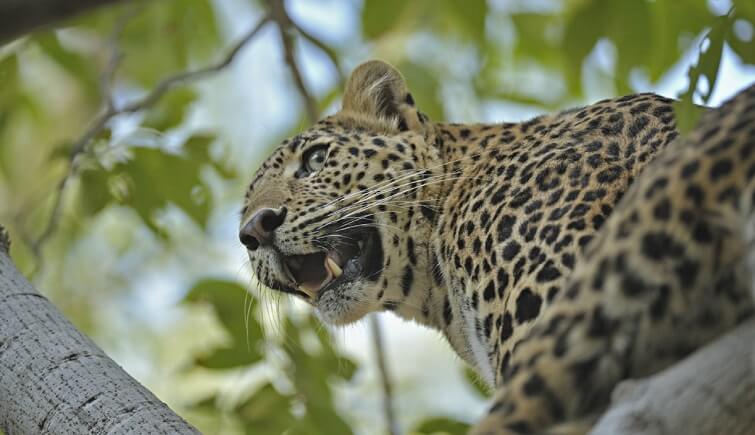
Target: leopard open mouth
x,y
353,255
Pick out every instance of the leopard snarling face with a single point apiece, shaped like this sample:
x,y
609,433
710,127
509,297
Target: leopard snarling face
x,y
325,213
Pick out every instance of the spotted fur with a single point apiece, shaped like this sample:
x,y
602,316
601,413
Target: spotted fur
x,y
502,236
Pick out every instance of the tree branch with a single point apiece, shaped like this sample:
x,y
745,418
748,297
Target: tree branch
x,y
99,123
116,56
18,17
323,47
109,111
182,78
285,26
53,379
385,378
710,392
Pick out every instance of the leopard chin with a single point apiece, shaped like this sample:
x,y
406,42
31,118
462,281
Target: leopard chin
x,y
345,303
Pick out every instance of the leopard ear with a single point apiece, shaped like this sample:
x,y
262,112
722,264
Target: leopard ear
x,y
377,90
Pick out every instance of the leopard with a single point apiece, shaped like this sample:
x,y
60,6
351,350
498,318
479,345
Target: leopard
x,y
546,252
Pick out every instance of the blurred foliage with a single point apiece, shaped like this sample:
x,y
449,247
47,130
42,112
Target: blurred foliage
x,y
441,426
466,19
477,383
150,179
309,373
152,186
224,297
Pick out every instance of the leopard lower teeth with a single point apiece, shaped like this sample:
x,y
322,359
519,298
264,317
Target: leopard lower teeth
x,y
334,268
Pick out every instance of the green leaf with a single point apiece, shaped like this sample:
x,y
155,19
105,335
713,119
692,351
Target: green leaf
x,y
380,16
232,305
468,17
425,89
465,19
95,193
170,111
152,179
631,41
476,382
585,26
532,38
196,148
707,66
670,22
441,426
155,178
744,11
687,113
9,79
77,66
267,412
310,374
710,61
645,35
167,37
9,96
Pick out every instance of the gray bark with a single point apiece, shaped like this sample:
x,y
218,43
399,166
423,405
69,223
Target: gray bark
x,y
709,393
18,17
55,380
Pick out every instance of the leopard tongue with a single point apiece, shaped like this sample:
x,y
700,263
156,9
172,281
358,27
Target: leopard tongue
x,y
332,270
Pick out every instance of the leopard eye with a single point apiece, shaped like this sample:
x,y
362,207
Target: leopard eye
x,y
314,160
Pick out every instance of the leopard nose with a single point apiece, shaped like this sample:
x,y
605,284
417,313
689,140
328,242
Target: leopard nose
x,y
260,228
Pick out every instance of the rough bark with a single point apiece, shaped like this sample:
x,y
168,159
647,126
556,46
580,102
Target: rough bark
x,y
711,392
55,380
18,17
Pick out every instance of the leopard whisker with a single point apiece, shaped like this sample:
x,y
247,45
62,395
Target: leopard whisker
x,y
407,173
417,184
347,211
414,185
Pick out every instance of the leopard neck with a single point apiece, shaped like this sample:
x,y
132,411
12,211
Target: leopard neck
x,y
421,294
457,148
461,144
420,288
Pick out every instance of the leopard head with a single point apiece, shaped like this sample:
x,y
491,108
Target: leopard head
x,y
334,216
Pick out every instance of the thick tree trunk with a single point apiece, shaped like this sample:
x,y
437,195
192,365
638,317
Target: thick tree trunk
x,y
18,17
711,392
55,380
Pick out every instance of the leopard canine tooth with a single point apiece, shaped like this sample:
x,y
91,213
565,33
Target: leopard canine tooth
x,y
308,291
334,268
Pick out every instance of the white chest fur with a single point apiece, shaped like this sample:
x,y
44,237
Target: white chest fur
x,y
476,344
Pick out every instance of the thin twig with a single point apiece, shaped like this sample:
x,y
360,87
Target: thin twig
x,y
385,378
116,56
169,83
285,26
323,47
99,122
97,125
109,111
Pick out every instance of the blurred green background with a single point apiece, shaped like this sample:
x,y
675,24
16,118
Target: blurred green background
x,y
130,226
